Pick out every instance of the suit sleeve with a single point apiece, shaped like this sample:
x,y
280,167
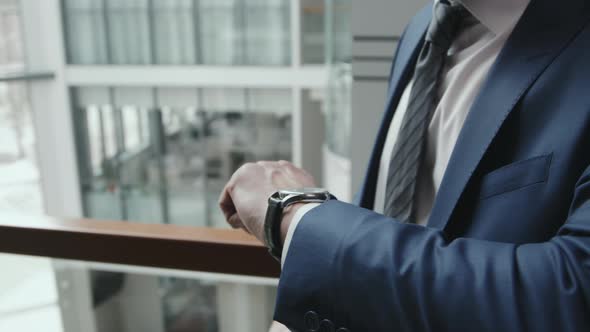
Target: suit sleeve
x,y
364,271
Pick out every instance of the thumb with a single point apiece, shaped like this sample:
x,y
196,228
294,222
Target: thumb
x,y
235,221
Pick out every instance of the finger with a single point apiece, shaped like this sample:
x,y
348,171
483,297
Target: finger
x,y
267,164
226,203
235,221
245,229
285,163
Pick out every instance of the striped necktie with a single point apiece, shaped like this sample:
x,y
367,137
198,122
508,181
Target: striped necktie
x,y
410,144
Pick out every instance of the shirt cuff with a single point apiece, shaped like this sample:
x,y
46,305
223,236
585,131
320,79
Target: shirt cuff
x,y
294,222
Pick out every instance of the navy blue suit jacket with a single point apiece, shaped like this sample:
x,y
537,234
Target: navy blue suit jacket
x,y
507,247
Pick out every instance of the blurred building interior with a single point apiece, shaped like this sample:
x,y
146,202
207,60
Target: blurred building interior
x,y
140,110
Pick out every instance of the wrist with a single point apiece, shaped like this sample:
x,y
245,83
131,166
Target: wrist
x,y
288,215
283,208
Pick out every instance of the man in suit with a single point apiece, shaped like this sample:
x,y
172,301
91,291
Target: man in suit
x,y
475,210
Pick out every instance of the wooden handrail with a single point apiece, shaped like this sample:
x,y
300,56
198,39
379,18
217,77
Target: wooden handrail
x,y
151,245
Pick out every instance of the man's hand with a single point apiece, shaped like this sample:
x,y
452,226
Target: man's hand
x,y
244,199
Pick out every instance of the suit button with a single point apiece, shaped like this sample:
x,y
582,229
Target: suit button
x,y
343,329
326,326
312,321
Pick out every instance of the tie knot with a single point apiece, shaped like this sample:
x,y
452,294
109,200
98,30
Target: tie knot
x,y
445,23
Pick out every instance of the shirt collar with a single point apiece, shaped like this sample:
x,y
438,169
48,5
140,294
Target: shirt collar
x,y
498,16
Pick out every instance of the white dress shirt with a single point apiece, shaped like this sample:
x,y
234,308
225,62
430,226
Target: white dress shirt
x,y
470,58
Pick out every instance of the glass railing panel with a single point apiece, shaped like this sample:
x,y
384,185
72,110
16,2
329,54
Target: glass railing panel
x,y
127,298
163,155
29,300
72,296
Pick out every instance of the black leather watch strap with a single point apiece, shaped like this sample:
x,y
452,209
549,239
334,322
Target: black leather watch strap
x,y
272,227
274,217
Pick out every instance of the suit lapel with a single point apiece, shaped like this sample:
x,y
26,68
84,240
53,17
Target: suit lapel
x,y
542,33
401,73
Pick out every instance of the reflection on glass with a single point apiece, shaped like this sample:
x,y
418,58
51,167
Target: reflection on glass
x,y
169,163
266,32
128,31
177,32
338,28
339,54
134,302
86,32
219,32
122,298
339,110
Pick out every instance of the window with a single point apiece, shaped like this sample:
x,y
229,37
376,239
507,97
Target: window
x,y
178,32
313,31
163,155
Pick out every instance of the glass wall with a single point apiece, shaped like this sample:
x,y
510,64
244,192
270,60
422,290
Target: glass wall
x,y
339,110
123,300
338,31
174,18
178,32
85,28
157,154
128,31
20,189
126,298
164,154
28,300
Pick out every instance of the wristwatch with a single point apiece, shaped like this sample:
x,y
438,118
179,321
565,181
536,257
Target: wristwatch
x,y
277,202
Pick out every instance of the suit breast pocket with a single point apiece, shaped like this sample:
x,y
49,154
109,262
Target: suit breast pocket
x,y
515,176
